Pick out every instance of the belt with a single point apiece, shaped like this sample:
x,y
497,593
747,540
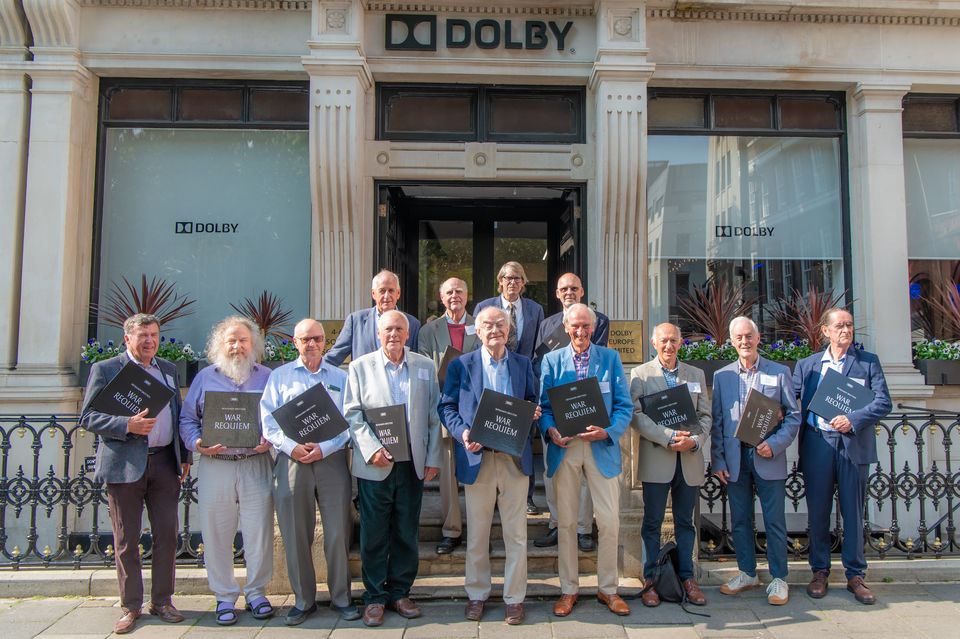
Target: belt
x,y
153,450
236,457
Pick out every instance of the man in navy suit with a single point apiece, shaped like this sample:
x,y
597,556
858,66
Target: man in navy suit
x,y
524,314
839,452
491,479
741,467
359,333
142,462
594,454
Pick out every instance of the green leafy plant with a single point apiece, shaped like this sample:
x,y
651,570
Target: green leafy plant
x,y
936,349
707,348
799,315
281,350
174,351
267,312
787,350
711,307
157,297
93,351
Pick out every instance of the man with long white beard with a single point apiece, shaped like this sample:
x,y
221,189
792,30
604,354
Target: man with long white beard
x,y
234,483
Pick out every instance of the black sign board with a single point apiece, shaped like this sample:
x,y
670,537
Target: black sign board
x,y
759,418
578,405
449,355
557,339
132,390
672,408
311,416
390,425
839,395
502,422
231,419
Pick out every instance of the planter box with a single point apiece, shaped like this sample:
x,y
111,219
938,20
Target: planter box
x,y
274,363
186,371
83,373
711,366
939,372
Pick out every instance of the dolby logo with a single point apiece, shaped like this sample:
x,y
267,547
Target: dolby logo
x,y
743,231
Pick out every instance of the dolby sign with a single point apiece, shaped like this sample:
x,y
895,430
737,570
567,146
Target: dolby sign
x,y
406,32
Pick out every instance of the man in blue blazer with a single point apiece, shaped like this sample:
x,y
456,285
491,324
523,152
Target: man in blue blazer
x,y
491,479
594,454
359,333
741,467
525,315
142,461
839,452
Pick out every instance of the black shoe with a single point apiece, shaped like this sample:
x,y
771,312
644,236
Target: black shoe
x,y
447,544
550,539
585,542
296,616
347,613
532,508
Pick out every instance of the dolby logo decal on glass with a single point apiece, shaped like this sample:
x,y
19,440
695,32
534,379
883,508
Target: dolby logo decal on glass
x,y
190,228
743,231
406,32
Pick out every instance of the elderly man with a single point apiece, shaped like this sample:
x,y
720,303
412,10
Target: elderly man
x,y
594,453
311,475
359,333
669,461
234,483
569,292
491,479
391,492
838,453
742,468
525,315
455,328
142,462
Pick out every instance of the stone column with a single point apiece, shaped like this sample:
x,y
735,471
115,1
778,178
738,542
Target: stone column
x,y
878,221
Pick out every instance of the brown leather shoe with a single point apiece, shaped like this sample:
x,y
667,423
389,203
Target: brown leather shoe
x,y
474,610
860,591
564,605
694,594
406,608
616,605
166,612
514,614
650,598
373,614
817,588
127,622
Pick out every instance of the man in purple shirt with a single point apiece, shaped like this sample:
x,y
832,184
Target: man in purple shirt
x,y
235,484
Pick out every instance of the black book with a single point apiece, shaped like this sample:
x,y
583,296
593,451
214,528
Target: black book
x,y
578,405
839,395
311,417
557,339
449,355
231,419
759,418
502,422
390,425
672,408
132,390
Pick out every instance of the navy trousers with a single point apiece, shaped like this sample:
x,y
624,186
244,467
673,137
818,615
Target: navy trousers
x,y
654,506
825,464
772,493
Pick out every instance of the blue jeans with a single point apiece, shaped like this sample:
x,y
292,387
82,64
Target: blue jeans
x,y
772,493
654,506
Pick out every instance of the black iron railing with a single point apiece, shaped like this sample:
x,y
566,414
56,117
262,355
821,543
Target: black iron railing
x,y
913,494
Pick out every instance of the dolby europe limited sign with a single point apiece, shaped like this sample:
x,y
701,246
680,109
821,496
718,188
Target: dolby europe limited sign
x,y
408,32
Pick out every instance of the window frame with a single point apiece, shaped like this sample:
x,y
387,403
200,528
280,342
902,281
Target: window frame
x,y
933,97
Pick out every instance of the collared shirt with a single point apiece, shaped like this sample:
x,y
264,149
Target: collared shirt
x,y
670,375
496,373
518,311
162,433
581,363
826,362
286,383
211,379
398,376
748,379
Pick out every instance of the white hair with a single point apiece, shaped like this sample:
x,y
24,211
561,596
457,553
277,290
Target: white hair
x,y
577,307
383,319
653,334
384,274
740,320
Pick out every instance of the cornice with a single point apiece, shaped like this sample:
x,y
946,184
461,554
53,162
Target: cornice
x,y
806,17
13,24
249,5
54,23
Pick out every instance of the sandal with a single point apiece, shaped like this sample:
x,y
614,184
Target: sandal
x,y
226,613
260,608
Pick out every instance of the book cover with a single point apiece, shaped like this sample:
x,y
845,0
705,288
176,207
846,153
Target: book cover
x,y
839,395
390,425
132,390
311,416
231,419
557,339
577,405
759,418
502,422
672,408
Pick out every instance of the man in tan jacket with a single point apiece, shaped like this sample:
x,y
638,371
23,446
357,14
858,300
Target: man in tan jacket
x,y
669,460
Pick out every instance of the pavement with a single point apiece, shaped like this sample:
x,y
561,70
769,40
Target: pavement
x,y
906,609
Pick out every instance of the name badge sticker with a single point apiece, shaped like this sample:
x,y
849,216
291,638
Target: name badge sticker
x,y
768,380
859,380
423,374
169,380
471,329
694,387
604,387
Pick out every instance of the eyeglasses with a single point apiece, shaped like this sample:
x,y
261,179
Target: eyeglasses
x,y
308,339
511,278
488,326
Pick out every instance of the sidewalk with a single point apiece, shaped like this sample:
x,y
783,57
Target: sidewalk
x,y
918,611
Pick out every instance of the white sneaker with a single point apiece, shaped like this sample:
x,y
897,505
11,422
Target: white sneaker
x,y
778,592
740,582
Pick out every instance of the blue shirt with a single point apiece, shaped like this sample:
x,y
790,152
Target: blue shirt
x,y
496,373
211,379
827,362
398,376
162,432
518,311
286,383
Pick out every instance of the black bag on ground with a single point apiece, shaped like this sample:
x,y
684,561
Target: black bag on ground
x,y
666,578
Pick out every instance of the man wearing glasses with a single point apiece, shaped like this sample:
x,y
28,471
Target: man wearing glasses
x,y
524,314
311,475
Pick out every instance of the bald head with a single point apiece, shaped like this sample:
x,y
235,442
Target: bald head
x,y
569,290
453,295
309,338
666,341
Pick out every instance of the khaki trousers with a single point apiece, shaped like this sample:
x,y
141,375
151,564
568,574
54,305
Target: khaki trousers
x,y
578,462
500,484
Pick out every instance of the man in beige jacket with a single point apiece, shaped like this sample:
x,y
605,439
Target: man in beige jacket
x,y
669,460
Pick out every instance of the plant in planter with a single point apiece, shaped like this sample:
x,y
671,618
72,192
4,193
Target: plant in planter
x,y
799,316
279,352
158,297
182,355
707,354
91,353
938,360
711,307
268,314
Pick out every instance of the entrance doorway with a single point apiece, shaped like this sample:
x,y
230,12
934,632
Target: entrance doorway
x,y
430,232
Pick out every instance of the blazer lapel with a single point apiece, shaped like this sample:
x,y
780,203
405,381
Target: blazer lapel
x,y
848,360
476,375
517,378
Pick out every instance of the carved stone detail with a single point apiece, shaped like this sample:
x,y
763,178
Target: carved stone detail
x,y
254,5
336,21
54,23
13,27
853,17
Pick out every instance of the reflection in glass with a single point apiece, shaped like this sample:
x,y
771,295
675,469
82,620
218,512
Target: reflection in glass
x,y
445,250
932,174
524,242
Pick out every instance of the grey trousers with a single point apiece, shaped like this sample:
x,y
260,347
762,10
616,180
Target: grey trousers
x,y
298,490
